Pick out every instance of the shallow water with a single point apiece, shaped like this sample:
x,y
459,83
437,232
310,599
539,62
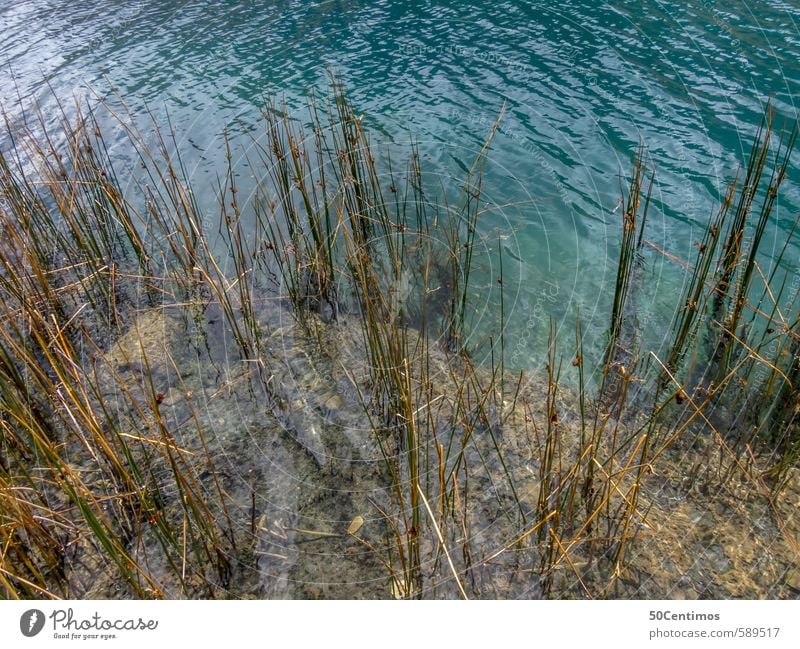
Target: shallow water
x,y
299,465
581,84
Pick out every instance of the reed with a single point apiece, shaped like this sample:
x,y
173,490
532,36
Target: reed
x,y
107,456
74,244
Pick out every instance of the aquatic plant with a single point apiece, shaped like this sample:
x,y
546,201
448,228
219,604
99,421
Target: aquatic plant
x,y
107,457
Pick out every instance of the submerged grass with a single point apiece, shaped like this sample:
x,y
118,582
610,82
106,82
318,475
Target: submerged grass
x,y
558,473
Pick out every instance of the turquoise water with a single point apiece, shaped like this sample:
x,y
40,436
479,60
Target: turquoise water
x,y
582,82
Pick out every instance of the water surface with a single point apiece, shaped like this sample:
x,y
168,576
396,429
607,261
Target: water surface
x,y
582,83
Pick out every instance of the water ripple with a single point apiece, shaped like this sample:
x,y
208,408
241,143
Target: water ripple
x,y
583,84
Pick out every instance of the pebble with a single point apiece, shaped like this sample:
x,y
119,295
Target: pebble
x,y
333,403
683,594
793,580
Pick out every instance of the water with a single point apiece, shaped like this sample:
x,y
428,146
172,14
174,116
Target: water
x,y
582,85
